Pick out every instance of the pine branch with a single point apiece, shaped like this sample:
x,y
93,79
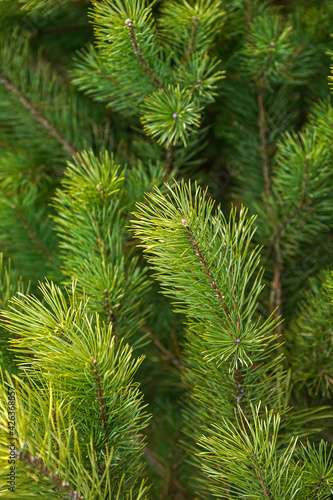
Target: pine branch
x,y
315,492
38,116
260,474
201,261
41,469
228,299
276,287
95,374
310,335
247,460
195,22
95,252
298,207
212,281
39,245
169,159
263,141
168,354
249,8
138,53
100,397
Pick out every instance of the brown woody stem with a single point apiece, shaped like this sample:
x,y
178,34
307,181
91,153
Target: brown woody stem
x,y
276,286
39,466
317,488
138,53
249,13
99,391
109,311
260,475
263,141
218,294
212,280
168,354
192,41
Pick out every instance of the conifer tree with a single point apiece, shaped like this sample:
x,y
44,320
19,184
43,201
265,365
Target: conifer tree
x,y
155,344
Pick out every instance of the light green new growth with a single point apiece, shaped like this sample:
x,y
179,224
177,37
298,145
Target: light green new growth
x,y
244,461
209,267
72,370
139,67
102,104
91,221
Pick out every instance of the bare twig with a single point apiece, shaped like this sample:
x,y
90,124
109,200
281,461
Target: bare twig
x,y
262,130
153,459
276,285
168,354
249,13
276,288
292,58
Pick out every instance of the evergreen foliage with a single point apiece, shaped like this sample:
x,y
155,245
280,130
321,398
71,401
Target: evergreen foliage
x,y
9,285
73,367
92,206
154,344
309,335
